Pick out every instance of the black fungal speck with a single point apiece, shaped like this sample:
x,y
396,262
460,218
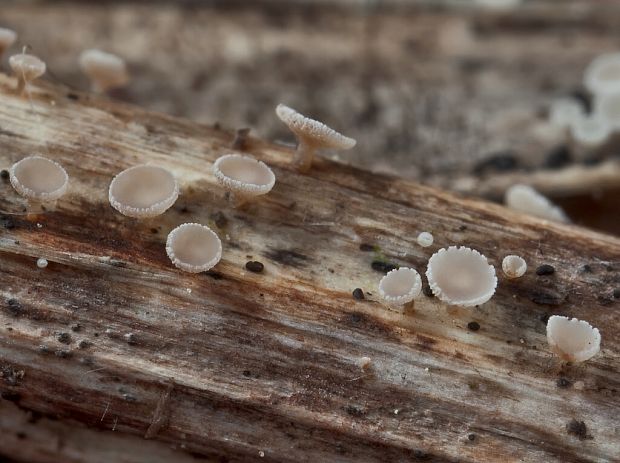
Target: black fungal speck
x,y
587,268
64,338
73,96
545,269
83,344
61,353
366,247
563,383
254,266
247,373
577,428
154,231
215,275
473,326
358,294
14,307
75,327
381,266
4,174
8,223
471,437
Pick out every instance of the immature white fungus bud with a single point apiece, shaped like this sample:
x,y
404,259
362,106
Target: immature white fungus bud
x,y
425,239
514,266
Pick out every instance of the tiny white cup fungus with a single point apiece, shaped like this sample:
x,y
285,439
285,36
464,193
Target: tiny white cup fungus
x,y
39,179
41,262
400,286
514,266
572,340
594,130
602,76
193,247
526,199
143,191
461,276
7,38
105,70
425,239
243,176
564,112
27,68
311,136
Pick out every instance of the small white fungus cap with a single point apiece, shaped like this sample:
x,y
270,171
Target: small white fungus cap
x,y
594,130
602,76
143,191
607,110
526,199
572,340
564,112
193,247
39,179
7,38
27,68
400,286
105,70
425,239
514,266
461,276
244,175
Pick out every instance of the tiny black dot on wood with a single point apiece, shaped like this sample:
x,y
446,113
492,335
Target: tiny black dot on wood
x,y
215,275
8,223
545,269
64,338
247,373
471,437
184,210
15,308
587,268
366,247
154,231
358,294
577,428
473,326
563,383
381,266
254,266
4,174
462,227
75,327
83,344
73,96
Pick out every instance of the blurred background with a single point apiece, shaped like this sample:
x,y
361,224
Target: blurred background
x,y
450,93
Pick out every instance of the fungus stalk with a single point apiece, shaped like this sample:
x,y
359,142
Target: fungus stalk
x,y
26,68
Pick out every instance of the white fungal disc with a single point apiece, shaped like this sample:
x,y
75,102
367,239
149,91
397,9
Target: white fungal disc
x,y
564,112
143,191
193,247
461,276
514,266
244,175
400,286
425,239
602,76
39,179
572,340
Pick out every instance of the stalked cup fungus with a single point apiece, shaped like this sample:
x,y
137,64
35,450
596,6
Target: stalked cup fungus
x,y
311,136
594,130
526,199
461,276
514,266
7,38
39,179
193,247
572,340
26,68
425,239
143,191
400,286
105,70
243,177
602,76
564,112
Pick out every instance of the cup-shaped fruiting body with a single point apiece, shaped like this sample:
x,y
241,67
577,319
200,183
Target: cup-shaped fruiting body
x,y
39,179
594,130
564,112
607,110
602,76
26,68
461,276
514,266
526,199
425,239
400,286
311,136
193,247
243,176
143,191
105,70
7,38
572,340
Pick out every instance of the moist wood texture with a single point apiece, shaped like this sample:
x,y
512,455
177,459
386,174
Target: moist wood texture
x,y
235,366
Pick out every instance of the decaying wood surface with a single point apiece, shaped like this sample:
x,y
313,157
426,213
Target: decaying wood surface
x,y
236,366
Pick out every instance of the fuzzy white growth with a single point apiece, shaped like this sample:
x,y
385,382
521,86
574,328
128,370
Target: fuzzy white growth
x,y
425,239
572,340
39,179
193,247
602,76
143,191
564,112
26,68
514,266
7,38
526,199
364,362
461,276
243,175
105,70
41,262
312,135
594,130
400,286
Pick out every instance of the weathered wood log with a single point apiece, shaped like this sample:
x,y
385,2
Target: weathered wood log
x,y
235,365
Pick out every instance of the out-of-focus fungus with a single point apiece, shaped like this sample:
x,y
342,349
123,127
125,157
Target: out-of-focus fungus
x,y
607,110
311,136
193,247
143,191
425,239
526,199
514,266
593,130
461,276
572,340
39,179
26,68
564,112
243,177
7,38
400,286
602,76
105,70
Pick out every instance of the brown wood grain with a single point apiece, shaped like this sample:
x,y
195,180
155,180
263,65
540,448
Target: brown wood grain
x,y
265,366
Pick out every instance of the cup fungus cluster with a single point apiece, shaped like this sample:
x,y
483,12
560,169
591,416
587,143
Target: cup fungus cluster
x,y
39,180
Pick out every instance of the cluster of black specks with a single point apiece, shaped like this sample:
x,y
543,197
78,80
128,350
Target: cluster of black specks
x,y
10,375
577,428
545,269
8,223
64,338
562,383
354,410
381,266
14,307
84,344
358,294
473,326
254,266
4,174
62,353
